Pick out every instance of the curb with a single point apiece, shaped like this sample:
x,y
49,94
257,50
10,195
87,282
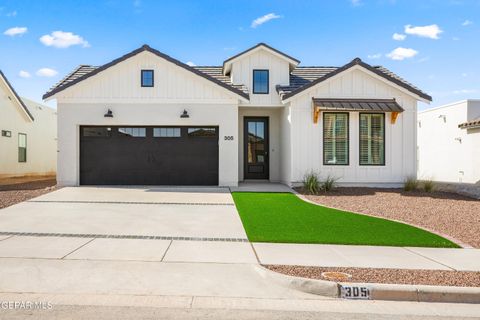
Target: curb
x,y
376,291
312,286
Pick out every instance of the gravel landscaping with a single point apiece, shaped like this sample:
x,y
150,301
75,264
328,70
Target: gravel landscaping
x,y
15,191
392,276
446,213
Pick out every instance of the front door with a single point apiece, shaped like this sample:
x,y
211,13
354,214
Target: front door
x,y
256,148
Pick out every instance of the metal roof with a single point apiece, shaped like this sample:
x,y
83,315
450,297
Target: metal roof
x,y
384,105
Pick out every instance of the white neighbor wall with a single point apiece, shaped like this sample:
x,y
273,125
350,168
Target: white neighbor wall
x,y
41,137
118,88
441,154
400,138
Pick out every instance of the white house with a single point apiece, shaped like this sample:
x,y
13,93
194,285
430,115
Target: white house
x,y
28,144
146,118
449,142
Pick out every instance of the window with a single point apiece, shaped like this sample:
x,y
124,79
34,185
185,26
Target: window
x,y
260,81
96,132
22,147
372,139
6,133
201,132
147,78
167,132
133,132
335,139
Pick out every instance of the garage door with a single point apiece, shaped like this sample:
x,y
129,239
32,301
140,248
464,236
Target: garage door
x,y
149,155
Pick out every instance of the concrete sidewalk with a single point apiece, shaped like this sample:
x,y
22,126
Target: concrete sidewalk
x,y
368,256
112,248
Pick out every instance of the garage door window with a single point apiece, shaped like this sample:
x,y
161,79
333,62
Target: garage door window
x,y
201,132
96,132
167,132
133,132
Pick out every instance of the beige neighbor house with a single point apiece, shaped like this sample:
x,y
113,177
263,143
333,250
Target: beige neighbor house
x,y
449,143
28,145
149,119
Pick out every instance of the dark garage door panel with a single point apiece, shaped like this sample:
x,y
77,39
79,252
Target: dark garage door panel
x,y
117,159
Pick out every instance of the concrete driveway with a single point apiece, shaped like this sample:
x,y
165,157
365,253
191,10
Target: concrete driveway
x,y
160,212
129,224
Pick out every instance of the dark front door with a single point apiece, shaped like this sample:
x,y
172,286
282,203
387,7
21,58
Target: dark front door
x,y
159,155
256,148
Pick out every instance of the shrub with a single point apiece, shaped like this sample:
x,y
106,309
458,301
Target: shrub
x,y
428,185
311,183
410,184
329,184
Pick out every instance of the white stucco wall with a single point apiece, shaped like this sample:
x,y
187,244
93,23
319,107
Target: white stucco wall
x,y
400,138
41,137
118,89
275,148
446,152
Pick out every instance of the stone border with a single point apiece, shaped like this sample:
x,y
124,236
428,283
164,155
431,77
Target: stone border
x,y
116,236
378,291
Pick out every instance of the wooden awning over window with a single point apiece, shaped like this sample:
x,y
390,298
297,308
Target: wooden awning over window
x,y
383,105
360,105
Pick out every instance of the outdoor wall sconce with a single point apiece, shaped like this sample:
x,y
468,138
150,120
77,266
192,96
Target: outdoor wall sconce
x,y
458,139
444,117
185,114
109,114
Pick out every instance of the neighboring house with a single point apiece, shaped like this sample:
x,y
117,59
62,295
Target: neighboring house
x,y
28,145
449,142
146,118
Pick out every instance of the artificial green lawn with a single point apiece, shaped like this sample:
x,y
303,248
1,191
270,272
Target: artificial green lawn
x,y
283,217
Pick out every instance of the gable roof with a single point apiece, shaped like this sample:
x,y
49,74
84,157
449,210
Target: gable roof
x,y
84,72
17,97
292,60
302,78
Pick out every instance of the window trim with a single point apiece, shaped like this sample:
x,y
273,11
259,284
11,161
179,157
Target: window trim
x,y
18,147
268,81
141,78
348,139
360,138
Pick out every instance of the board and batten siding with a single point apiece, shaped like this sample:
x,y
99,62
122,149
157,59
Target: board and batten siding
x,y
307,137
279,74
121,83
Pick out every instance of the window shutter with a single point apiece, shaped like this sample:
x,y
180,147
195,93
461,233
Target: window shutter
x,y
335,138
372,144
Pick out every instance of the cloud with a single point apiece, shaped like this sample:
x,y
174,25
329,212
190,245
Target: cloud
x,y
191,64
12,14
46,72
402,53
399,36
464,91
455,38
263,19
137,3
374,56
356,3
15,31
467,23
432,31
24,74
61,39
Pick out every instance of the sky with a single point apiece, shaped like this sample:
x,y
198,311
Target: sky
x,y
434,44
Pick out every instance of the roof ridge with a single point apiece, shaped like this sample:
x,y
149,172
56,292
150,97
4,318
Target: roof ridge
x,y
22,103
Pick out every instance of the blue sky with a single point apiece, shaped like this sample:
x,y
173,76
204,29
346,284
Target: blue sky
x,y
436,48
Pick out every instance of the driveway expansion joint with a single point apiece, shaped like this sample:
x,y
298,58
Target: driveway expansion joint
x,y
139,202
116,236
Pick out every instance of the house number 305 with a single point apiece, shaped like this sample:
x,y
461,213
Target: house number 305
x,y
228,137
